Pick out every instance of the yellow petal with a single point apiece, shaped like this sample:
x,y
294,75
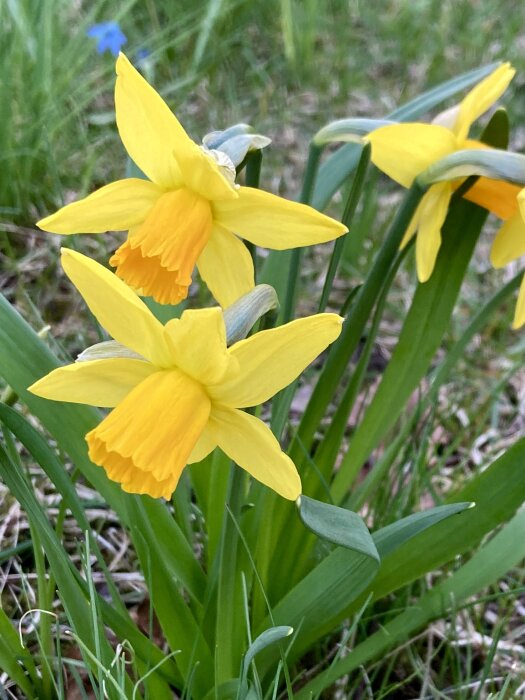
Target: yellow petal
x,y
115,207
226,266
473,144
403,151
272,359
433,214
509,242
273,222
157,142
521,203
117,308
145,442
519,314
102,383
204,446
149,130
198,344
481,97
497,196
202,174
252,445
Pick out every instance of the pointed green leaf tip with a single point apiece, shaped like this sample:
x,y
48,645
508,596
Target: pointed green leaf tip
x,y
265,639
337,525
269,636
393,536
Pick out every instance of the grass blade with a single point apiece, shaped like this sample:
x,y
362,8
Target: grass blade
x,y
504,551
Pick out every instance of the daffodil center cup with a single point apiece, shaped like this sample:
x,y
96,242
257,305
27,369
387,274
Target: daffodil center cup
x,y
160,254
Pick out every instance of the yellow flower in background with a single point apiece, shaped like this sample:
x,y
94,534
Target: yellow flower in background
x,y
176,390
403,151
189,212
506,201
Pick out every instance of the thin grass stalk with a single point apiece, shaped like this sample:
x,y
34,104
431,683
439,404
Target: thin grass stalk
x,y
44,596
457,351
287,29
207,24
93,607
256,576
45,602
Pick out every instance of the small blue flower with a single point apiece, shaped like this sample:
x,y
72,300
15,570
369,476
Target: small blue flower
x,y
109,36
142,54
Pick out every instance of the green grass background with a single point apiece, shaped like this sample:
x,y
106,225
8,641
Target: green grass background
x,y
285,66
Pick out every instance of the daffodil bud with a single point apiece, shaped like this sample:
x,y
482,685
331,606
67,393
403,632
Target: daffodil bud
x,y
486,162
235,142
240,317
348,130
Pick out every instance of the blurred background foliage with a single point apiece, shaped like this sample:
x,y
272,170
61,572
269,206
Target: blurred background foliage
x,y
285,66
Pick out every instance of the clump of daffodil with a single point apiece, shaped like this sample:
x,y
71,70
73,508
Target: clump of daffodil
x,y
403,151
177,390
189,212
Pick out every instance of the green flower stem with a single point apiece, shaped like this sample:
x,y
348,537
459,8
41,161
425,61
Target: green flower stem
x,y
329,447
314,156
282,404
230,634
425,324
253,168
351,205
300,552
343,349
330,378
252,178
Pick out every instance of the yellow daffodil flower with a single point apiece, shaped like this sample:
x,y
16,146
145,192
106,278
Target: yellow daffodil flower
x,y
189,212
403,151
176,389
506,201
